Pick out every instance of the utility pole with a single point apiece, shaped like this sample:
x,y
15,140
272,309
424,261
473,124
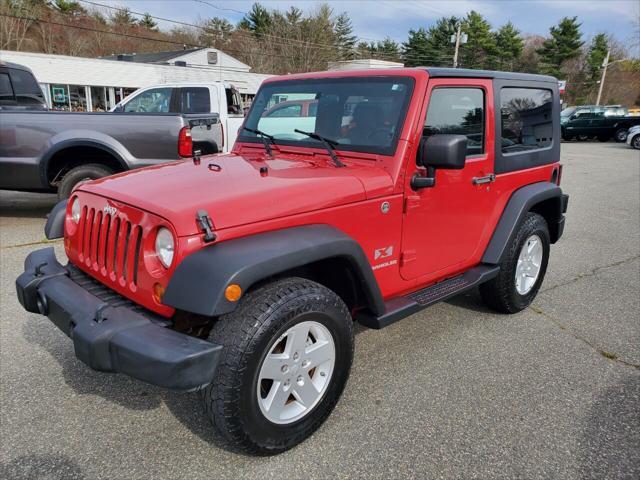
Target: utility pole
x,y
458,38
455,55
605,64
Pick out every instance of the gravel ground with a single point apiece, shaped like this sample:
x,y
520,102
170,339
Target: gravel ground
x,y
453,392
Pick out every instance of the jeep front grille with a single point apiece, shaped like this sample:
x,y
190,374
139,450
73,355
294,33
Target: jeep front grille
x,y
110,245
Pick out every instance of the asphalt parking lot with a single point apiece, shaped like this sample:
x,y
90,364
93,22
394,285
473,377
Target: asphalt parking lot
x,y
453,392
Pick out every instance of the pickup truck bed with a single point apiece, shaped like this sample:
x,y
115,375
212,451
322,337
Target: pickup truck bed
x,y
39,148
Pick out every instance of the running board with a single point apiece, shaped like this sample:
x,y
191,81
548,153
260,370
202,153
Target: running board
x,y
401,307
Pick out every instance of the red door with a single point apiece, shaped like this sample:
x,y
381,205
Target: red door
x,y
443,225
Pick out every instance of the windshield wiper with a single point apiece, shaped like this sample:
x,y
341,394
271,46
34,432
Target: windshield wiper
x,y
328,144
267,140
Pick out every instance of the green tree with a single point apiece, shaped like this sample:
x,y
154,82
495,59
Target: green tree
x,y
123,18
215,30
433,46
69,8
481,50
595,56
564,44
510,45
345,40
388,50
415,47
148,22
258,20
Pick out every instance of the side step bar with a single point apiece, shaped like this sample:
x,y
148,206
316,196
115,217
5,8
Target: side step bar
x,y
401,307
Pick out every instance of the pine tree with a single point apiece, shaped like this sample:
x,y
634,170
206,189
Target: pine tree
x,y
215,30
345,40
563,45
440,49
415,47
258,20
123,18
510,45
148,22
388,50
69,8
595,57
481,50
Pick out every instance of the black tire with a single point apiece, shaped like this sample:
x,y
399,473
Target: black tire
x,y
583,138
635,142
500,293
81,174
247,335
603,138
567,137
621,135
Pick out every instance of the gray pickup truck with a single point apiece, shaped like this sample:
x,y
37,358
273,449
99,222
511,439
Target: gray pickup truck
x,y
47,151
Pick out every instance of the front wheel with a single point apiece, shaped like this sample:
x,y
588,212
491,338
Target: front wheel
x,y
635,142
522,269
79,175
287,352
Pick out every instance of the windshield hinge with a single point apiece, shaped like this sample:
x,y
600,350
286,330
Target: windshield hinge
x,y
206,225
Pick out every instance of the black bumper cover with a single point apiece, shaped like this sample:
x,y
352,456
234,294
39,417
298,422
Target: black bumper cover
x,y
114,338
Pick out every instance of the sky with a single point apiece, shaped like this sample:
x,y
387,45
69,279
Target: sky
x,y
377,19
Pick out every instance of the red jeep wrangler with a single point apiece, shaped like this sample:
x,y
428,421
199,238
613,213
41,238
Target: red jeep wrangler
x,y
240,275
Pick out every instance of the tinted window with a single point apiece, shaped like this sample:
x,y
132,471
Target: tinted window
x,y
361,114
527,122
26,88
156,100
194,100
457,111
6,92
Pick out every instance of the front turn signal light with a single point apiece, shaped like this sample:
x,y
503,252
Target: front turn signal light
x,y
233,292
158,292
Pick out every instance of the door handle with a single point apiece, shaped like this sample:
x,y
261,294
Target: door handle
x,y
486,179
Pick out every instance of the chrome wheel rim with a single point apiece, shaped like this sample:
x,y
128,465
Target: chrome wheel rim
x,y
529,263
296,372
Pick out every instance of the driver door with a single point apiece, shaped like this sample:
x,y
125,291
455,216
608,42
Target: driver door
x,y
444,225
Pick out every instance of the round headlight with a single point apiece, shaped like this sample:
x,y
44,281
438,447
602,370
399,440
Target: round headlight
x,y
164,246
75,210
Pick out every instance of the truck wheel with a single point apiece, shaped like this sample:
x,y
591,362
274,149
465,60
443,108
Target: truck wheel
x,y
621,135
287,353
603,138
635,142
79,175
522,269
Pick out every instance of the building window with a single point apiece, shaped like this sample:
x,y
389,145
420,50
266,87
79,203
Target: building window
x,y
60,97
78,98
99,99
526,119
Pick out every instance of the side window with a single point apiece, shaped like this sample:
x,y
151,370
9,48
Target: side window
x,y
26,88
156,100
195,100
457,111
6,92
292,110
526,117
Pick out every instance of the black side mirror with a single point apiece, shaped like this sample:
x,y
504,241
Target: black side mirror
x,y
443,151
439,151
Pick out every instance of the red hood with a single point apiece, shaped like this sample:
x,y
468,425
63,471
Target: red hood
x,y
234,192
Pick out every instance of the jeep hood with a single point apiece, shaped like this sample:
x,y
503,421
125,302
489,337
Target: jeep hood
x,y
236,190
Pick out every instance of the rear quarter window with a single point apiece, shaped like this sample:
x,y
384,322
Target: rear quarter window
x,y
6,92
26,89
526,119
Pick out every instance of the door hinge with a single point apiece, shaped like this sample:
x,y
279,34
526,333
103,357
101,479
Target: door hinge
x,y
407,256
410,202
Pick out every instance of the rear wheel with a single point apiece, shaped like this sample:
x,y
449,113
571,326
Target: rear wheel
x,y
621,135
603,138
635,142
79,175
287,353
523,268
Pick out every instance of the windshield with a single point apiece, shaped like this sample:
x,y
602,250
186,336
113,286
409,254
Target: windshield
x,y
360,114
567,111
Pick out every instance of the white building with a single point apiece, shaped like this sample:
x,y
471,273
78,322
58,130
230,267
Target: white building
x,y
97,84
363,64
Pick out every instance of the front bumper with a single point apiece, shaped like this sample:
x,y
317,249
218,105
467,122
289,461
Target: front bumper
x,y
114,336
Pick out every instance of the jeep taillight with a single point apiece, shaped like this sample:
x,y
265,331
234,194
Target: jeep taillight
x,y
185,143
559,178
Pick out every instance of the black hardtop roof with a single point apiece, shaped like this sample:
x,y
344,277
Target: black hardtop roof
x,y
435,72
15,66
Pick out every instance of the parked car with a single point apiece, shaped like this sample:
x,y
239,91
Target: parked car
x,y
48,151
601,122
19,89
633,137
190,98
240,275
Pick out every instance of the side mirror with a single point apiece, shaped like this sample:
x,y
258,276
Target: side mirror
x,y
443,151
439,151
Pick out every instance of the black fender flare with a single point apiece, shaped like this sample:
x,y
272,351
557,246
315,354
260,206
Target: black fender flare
x,y
199,281
521,202
54,228
76,142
